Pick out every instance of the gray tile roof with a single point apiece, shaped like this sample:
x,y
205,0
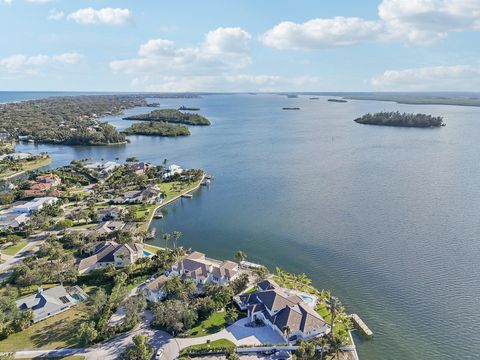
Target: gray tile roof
x,y
288,310
46,302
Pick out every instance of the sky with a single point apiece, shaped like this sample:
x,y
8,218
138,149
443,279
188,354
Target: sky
x,y
240,45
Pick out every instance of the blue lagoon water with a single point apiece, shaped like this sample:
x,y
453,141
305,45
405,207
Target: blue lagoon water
x,y
387,218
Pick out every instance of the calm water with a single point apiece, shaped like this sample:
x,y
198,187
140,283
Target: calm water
x,y
388,218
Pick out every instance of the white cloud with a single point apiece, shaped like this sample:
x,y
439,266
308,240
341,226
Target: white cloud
x,y
438,78
216,64
321,33
108,16
227,83
55,14
157,47
426,21
408,21
224,49
20,65
227,40
7,2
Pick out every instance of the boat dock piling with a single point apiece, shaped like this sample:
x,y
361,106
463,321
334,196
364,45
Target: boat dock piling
x,y
360,325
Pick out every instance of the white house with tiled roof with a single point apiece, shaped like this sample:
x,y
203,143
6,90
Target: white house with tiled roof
x,y
279,309
203,270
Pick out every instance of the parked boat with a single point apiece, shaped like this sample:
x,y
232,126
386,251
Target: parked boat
x,y
188,196
291,108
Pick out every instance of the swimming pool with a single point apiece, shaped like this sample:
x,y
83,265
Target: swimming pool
x,y
147,253
306,298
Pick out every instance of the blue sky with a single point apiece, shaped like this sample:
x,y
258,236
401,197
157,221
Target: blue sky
x,y
213,45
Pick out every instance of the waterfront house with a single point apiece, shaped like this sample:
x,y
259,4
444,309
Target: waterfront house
x,y
109,252
154,290
51,179
140,167
279,308
103,169
110,213
107,227
202,270
50,302
16,156
171,171
148,195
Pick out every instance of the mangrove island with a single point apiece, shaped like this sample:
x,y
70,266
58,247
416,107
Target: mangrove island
x,y
171,116
401,119
157,128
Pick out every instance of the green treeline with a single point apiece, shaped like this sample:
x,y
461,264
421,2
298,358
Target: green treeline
x,y
401,119
157,128
68,120
171,116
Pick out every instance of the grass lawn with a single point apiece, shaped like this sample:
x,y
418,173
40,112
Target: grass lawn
x,y
59,331
175,188
150,248
83,226
216,344
339,327
251,290
12,250
211,325
28,165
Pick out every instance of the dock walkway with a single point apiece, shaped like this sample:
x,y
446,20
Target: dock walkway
x,y
361,325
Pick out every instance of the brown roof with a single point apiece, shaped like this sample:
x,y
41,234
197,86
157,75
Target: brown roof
x,y
105,252
157,284
40,186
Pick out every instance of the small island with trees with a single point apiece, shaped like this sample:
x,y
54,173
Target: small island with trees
x,y
157,128
401,119
171,116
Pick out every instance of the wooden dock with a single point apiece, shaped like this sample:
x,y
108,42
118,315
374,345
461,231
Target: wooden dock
x,y
360,325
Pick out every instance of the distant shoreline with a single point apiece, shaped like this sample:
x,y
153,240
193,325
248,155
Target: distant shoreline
x,y
418,100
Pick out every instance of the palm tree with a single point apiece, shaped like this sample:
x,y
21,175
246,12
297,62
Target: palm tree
x,y
335,346
166,237
334,306
286,331
322,342
176,236
303,278
240,256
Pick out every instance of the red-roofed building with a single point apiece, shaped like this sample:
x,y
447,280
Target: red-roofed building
x,y
40,186
52,179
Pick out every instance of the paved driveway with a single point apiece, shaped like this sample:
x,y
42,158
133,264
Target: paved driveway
x,y
239,334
